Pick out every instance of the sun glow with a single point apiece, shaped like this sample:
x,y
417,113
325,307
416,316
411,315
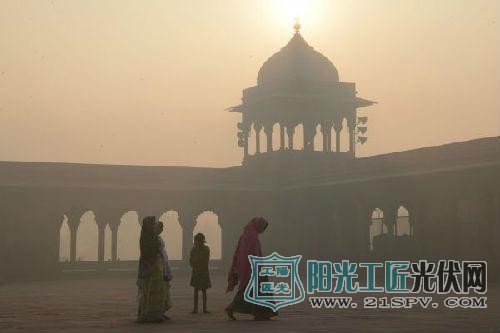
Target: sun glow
x,y
295,8
307,12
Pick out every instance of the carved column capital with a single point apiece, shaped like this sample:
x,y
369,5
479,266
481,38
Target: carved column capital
x,y
337,126
187,220
351,120
74,219
187,217
326,128
268,128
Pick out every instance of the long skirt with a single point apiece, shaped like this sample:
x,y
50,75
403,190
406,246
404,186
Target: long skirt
x,y
239,305
152,295
168,300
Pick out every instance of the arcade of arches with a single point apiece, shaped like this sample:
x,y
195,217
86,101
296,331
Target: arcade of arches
x,y
127,234
300,136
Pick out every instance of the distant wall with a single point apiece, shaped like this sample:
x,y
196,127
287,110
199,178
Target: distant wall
x,y
453,210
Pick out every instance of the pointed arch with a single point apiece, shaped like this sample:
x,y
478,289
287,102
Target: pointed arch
x,y
333,142
318,139
377,225
64,241
129,233
298,137
172,234
403,224
344,137
86,238
276,137
263,141
208,224
252,149
286,144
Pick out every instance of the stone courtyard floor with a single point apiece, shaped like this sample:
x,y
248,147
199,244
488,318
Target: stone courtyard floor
x,y
107,304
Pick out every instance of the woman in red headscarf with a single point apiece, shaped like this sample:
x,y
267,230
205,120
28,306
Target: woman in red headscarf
x,y
240,271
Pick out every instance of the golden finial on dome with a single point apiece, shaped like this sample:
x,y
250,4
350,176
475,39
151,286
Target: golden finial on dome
x,y
296,26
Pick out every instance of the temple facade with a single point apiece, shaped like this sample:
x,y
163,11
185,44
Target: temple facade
x,y
321,200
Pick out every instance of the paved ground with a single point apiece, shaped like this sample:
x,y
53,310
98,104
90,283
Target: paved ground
x,y
107,304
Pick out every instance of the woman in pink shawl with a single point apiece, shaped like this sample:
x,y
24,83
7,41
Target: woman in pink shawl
x,y
240,271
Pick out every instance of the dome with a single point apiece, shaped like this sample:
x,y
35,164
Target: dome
x,y
297,61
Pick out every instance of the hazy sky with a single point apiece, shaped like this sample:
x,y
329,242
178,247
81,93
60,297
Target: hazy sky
x,y
147,82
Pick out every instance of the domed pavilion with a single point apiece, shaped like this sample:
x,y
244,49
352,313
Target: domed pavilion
x,y
299,86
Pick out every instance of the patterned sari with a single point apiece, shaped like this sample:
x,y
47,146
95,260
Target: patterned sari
x,y
152,295
152,289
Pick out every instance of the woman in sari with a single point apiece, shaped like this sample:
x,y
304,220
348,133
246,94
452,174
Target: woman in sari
x,y
240,271
167,272
150,283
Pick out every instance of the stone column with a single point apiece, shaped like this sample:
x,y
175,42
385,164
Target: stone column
x,y
245,144
114,242
290,130
325,131
325,138
309,132
390,219
338,128
412,215
73,228
329,138
73,222
100,242
305,133
269,137
257,128
282,137
187,221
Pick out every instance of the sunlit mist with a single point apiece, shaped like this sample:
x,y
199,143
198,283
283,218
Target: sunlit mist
x,y
148,83
307,12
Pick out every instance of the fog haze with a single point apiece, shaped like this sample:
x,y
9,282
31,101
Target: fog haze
x,y
147,82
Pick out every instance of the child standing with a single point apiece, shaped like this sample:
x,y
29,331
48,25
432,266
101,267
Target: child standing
x,y
200,277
